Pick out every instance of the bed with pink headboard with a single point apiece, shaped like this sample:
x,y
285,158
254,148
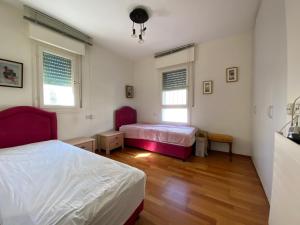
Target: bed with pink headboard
x,y
127,115
25,125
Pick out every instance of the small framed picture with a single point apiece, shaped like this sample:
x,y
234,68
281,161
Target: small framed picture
x,y
208,87
11,74
232,74
129,91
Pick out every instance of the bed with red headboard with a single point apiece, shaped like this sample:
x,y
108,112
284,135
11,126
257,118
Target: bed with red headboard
x,y
127,115
21,127
24,125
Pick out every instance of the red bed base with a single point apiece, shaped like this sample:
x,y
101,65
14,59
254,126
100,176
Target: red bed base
x,y
135,214
127,115
176,151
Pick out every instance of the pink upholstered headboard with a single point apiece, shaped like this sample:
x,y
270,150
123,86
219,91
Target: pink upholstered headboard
x,y
24,124
124,115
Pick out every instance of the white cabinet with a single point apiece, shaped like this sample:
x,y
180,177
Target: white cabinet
x,y
269,85
285,202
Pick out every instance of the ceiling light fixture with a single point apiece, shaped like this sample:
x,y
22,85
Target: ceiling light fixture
x,y
139,16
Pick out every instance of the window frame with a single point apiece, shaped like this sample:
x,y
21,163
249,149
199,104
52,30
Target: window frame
x,y
188,97
76,77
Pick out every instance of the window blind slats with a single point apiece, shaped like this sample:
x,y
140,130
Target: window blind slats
x,y
57,70
174,80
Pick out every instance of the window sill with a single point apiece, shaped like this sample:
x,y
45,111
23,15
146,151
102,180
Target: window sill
x,y
62,110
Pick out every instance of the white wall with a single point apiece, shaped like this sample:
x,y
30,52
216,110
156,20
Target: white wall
x,y
293,46
269,85
103,83
110,74
104,78
228,109
15,46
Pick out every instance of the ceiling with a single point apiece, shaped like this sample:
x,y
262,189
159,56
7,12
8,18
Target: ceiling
x,y
172,22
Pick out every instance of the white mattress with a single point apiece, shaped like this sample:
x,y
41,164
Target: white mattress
x,y
55,183
170,134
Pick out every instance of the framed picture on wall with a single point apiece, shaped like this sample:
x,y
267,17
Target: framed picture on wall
x,y
232,74
129,91
207,87
11,74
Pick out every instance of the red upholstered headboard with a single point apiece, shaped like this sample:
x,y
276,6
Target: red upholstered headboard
x,y
24,124
124,115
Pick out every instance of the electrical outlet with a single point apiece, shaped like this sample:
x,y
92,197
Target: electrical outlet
x,y
89,117
289,109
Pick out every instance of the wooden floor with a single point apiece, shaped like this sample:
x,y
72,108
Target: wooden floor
x,y
208,190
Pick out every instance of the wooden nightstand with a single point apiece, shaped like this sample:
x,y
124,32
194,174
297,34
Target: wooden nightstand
x,y
86,143
110,140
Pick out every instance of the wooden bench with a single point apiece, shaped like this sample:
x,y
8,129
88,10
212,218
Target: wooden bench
x,y
221,138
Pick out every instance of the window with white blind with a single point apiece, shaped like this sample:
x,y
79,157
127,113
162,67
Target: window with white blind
x,y
175,96
59,84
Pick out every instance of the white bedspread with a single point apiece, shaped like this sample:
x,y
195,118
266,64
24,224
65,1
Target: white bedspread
x,y
171,134
51,182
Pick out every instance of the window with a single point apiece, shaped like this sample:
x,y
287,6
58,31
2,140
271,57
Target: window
x,y
175,96
59,86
